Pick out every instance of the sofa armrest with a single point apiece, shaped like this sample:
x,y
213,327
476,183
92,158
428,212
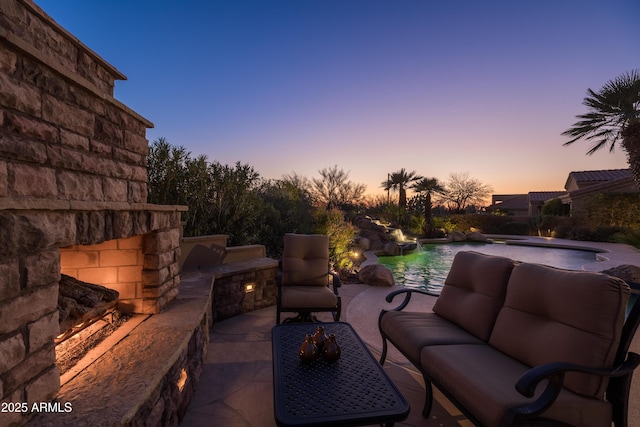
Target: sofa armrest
x,y
555,372
407,297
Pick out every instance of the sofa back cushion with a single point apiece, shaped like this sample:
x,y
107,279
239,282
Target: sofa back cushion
x,y
474,291
305,260
554,315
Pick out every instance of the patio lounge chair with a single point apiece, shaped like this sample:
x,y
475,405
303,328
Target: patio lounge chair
x,y
303,285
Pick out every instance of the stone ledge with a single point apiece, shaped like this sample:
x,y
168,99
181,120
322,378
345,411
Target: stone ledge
x,y
245,266
136,381
243,253
31,204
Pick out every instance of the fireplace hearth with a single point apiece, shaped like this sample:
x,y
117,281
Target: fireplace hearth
x,y
76,346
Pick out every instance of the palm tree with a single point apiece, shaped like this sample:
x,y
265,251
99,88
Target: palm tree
x,y
428,186
398,181
614,116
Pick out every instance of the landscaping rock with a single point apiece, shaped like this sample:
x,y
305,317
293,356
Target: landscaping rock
x,y
474,236
628,273
376,234
365,223
457,236
391,249
364,244
376,275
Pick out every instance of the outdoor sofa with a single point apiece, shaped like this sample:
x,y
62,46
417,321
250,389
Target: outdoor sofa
x,y
522,344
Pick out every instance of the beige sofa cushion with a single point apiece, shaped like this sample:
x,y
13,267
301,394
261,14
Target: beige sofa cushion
x,y
553,315
483,380
474,291
305,260
410,332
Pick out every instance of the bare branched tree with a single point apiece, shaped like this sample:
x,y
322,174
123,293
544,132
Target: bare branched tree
x,y
334,190
463,191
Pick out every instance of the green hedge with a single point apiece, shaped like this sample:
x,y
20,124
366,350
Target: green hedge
x,y
486,224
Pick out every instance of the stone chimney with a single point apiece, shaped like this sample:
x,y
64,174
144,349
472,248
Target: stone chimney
x,y
72,173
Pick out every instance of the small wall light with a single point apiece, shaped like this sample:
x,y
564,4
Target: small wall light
x,y
250,287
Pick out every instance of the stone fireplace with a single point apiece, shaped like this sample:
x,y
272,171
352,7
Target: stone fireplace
x,y
73,190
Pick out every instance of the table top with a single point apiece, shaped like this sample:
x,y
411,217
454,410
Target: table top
x,y
353,391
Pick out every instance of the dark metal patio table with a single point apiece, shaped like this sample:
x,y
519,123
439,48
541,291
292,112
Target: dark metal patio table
x,y
352,391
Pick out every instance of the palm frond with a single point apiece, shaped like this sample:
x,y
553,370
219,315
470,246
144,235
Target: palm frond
x,y
611,109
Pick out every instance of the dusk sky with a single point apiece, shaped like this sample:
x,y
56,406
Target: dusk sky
x,y
370,86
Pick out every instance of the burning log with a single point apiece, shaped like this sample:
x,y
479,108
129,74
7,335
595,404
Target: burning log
x,y
81,303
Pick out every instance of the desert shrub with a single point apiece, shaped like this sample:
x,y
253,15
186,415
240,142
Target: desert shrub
x,y
628,236
605,234
416,224
445,223
287,209
549,225
555,207
610,210
341,235
488,224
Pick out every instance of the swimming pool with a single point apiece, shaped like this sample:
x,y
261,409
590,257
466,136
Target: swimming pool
x,y
428,268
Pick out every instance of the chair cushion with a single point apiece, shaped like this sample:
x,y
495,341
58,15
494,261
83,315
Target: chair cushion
x,y
483,380
305,260
554,315
410,332
307,297
474,291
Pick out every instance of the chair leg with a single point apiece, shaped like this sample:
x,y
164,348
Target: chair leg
x,y
383,356
428,400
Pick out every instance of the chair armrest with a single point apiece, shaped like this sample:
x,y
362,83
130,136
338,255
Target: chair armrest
x,y
555,372
336,282
407,297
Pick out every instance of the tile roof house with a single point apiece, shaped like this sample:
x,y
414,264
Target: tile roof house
x,y
581,185
529,204
515,204
584,179
537,199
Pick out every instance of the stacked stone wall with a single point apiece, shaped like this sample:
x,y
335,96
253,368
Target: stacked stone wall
x,y
62,135
29,25
230,294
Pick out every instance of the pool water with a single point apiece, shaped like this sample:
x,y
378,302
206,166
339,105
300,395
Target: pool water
x,y
427,269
